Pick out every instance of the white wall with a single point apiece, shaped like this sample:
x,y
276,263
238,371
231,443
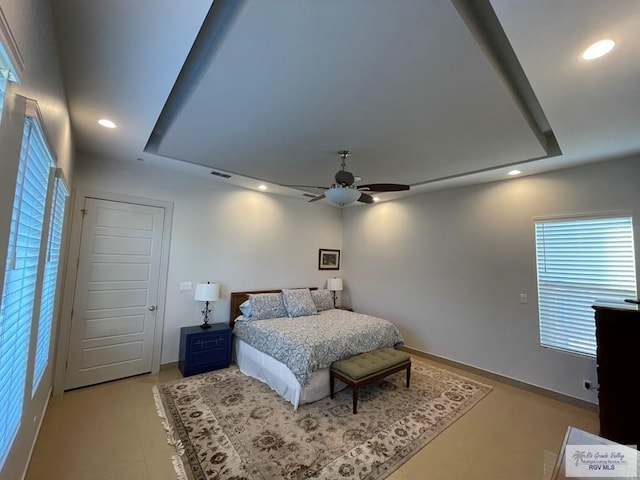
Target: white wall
x,y
31,25
448,267
243,239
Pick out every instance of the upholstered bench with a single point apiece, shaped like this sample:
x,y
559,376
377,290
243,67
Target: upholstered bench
x,y
368,367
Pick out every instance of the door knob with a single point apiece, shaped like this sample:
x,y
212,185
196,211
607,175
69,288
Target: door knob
x,y
152,308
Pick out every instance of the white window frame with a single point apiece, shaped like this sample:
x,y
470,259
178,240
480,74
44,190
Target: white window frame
x,y
575,269
11,61
19,299
57,201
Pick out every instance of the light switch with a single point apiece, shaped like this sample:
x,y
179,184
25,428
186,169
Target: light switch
x,y
186,286
523,298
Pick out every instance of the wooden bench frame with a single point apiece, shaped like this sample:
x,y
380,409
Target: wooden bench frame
x,y
361,382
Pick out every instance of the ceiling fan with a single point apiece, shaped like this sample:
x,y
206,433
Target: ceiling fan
x,y
344,192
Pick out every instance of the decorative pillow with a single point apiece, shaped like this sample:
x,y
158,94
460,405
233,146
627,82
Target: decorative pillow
x,y
245,308
298,302
322,299
266,305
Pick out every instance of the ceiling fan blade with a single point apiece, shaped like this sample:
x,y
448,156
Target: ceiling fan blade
x,y
384,187
315,199
365,198
305,186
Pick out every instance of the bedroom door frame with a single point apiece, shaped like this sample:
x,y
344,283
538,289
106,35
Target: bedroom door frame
x,y
77,201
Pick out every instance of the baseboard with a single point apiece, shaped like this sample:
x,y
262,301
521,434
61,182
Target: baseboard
x,y
576,402
168,366
35,437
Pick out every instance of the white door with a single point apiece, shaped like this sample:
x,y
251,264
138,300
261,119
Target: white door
x,y
113,319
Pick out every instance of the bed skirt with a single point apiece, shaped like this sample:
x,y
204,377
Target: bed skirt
x,y
277,375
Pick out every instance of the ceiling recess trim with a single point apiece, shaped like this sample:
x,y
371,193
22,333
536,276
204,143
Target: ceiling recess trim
x,y
482,22
218,22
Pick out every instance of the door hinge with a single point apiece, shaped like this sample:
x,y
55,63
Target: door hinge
x,y
84,211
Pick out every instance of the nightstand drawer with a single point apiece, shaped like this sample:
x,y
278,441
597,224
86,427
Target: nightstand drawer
x,y
208,357
208,342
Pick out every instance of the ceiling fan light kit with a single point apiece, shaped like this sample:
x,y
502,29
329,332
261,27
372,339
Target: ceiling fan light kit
x,y
342,195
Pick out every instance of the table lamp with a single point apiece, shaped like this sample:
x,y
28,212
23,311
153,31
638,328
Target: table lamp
x,y
335,285
207,292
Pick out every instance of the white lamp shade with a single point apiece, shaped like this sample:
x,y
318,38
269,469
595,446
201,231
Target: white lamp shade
x,y
207,292
334,284
342,195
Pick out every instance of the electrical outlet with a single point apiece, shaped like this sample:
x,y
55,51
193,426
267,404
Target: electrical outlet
x,y
587,385
523,298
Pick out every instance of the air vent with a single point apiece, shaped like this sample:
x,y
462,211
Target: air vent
x,y
223,175
308,195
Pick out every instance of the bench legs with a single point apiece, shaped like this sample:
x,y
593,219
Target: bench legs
x,y
331,384
355,400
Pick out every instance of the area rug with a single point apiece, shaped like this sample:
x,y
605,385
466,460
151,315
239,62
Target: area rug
x,y
226,425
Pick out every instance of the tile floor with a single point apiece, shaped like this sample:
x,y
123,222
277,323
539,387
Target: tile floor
x,y
112,432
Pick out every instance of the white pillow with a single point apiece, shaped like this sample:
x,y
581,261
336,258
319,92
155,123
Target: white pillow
x,y
322,299
298,302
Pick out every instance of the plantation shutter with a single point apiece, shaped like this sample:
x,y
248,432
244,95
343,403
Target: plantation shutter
x,y
579,262
7,71
17,302
50,277
4,78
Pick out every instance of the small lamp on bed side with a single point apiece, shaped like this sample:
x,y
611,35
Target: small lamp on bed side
x,y
207,292
335,285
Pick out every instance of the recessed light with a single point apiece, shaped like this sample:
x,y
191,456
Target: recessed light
x,y
514,172
262,186
598,49
376,199
107,123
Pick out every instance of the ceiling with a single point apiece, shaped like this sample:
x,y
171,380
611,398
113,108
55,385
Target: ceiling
x,y
435,93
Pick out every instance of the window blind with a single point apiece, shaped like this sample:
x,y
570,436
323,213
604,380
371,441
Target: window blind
x,y
16,308
579,262
50,277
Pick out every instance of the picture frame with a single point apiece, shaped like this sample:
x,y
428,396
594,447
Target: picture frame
x,y
328,259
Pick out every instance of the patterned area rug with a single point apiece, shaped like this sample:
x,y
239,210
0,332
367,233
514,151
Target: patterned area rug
x,y
226,425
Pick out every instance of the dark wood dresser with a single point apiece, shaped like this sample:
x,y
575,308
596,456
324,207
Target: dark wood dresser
x,y
618,355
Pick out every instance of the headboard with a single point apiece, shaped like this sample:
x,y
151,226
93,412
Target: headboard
x,y
238,297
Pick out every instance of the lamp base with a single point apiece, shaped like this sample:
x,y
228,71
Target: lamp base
x,y
205,325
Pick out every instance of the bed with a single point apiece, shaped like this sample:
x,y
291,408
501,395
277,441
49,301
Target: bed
x,y
293,355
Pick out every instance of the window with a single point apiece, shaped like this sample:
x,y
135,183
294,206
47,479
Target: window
x,y
7,72
581,261
18,295
49,283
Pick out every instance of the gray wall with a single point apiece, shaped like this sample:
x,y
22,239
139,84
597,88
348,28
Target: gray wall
x,y
31,25
448,267
243,239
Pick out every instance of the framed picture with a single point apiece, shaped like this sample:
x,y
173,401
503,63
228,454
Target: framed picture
x,y
328,259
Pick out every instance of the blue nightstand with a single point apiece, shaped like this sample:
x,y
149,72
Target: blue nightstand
x,y
202,350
